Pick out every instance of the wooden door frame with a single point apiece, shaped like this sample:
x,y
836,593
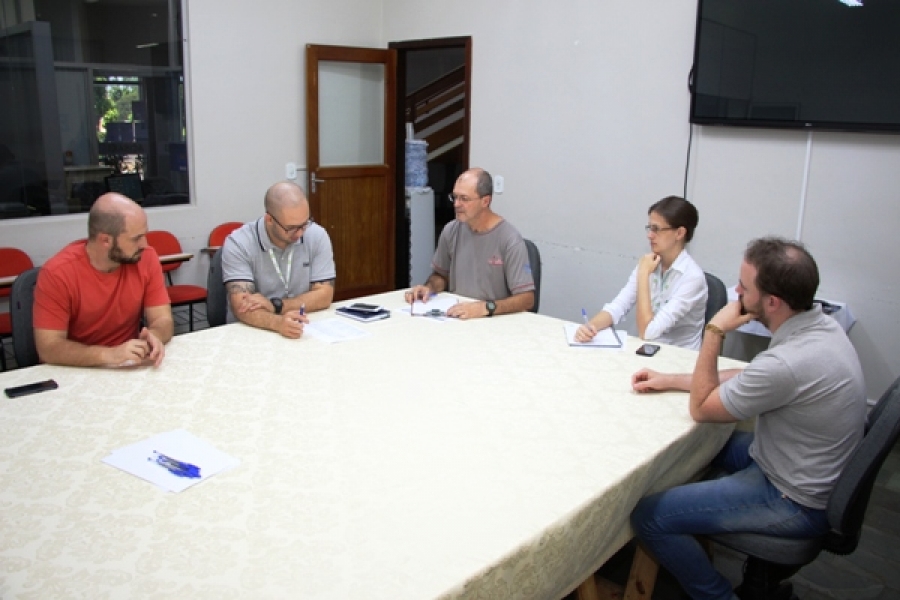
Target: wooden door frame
x,y
317,52
401,228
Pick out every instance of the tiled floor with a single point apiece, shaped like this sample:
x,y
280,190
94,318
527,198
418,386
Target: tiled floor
x,y
870,573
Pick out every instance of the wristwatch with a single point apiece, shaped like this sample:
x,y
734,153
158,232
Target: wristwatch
x,y
277,304
491,306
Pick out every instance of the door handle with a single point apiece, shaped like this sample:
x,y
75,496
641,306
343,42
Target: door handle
x,y
313,181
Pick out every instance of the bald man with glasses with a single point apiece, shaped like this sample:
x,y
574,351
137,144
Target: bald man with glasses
x,y
280,266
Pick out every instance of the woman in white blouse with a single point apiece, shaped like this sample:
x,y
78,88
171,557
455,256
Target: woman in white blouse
x,y
667,286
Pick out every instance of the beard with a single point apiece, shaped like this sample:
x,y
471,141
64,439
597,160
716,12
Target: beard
x,y
117,256
757,311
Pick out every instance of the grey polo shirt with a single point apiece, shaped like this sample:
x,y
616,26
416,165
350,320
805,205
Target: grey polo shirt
x,y
249,255
488,265
808,395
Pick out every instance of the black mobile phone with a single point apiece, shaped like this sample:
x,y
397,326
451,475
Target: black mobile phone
x,y
648,350
362,307
30,388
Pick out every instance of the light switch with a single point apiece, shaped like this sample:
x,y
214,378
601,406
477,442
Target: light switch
x,y
290,171
498,184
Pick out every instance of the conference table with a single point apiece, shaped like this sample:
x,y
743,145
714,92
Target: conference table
x,y
427,459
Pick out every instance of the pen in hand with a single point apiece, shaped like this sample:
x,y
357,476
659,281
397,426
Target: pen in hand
x,y
587,324
303,309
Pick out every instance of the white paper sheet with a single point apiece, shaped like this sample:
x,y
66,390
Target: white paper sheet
x,y
605,338
139,459
441,302
334,330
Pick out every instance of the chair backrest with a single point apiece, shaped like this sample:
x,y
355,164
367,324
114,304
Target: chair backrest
x,y
216,297
850,496
717,298
21,308
165,243
218,235
12,262
534,259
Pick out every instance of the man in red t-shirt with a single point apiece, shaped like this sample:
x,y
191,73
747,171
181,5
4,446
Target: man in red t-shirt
x,y
90,297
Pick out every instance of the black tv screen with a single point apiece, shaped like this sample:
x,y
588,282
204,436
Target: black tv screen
x,y
798,64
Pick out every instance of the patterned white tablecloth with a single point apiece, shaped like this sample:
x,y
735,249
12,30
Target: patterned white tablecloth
x,y
481,459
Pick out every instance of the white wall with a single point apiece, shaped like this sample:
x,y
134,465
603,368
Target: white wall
x,y
582,106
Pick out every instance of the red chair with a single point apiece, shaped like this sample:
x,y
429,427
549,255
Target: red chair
x,y
13,262
183,294
218,235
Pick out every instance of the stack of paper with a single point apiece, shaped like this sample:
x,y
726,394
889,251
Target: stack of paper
x,y
436,307
605,338
148,460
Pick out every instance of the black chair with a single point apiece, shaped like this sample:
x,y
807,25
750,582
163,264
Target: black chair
x,y
216,297
772,559
717,298
534,259
21,308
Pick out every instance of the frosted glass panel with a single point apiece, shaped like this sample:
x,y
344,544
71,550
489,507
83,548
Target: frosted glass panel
x,y
351,113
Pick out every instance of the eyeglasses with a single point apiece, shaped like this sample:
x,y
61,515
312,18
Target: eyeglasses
x,y
654,229
455,197
293,228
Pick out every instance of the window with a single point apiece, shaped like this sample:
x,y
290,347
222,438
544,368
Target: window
x,y
90,90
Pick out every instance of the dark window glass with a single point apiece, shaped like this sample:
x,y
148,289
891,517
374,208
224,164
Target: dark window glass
x,y
90,92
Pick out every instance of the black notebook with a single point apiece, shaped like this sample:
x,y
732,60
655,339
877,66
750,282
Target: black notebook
x,y
364,315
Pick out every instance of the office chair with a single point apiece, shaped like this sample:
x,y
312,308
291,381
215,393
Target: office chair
x,y
183,294
772,559
534,259
21,309
216,296
717,298
13,262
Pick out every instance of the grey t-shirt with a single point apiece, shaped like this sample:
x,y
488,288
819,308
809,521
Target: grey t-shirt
x,y
809,397
490,265
249,255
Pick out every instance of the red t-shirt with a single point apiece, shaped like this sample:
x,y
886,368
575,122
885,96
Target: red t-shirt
x,y
96,309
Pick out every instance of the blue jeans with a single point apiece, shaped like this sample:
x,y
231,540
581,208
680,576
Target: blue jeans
x,y
743,501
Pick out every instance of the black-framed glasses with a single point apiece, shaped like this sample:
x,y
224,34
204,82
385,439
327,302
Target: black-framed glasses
x,y
461,198
293,228
654,229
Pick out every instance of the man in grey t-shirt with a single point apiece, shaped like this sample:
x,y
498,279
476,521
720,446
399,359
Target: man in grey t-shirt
x,y
280,266
809,399
479,255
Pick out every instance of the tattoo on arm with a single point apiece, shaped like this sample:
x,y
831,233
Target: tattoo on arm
x,y
240,287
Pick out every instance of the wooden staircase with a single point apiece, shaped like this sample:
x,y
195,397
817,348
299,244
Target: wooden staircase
x,y
437,112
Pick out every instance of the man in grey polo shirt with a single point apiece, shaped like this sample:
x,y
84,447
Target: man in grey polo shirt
x,y
479,255
280,266
808,396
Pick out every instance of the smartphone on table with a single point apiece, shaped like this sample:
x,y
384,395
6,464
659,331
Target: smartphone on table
x,y
366,308
648,350
30,388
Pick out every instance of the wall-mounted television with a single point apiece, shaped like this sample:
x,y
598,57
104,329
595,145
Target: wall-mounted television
x,y
806,64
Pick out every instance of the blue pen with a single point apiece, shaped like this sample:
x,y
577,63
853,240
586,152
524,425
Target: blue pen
x,y
584,316
303,309
176,467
